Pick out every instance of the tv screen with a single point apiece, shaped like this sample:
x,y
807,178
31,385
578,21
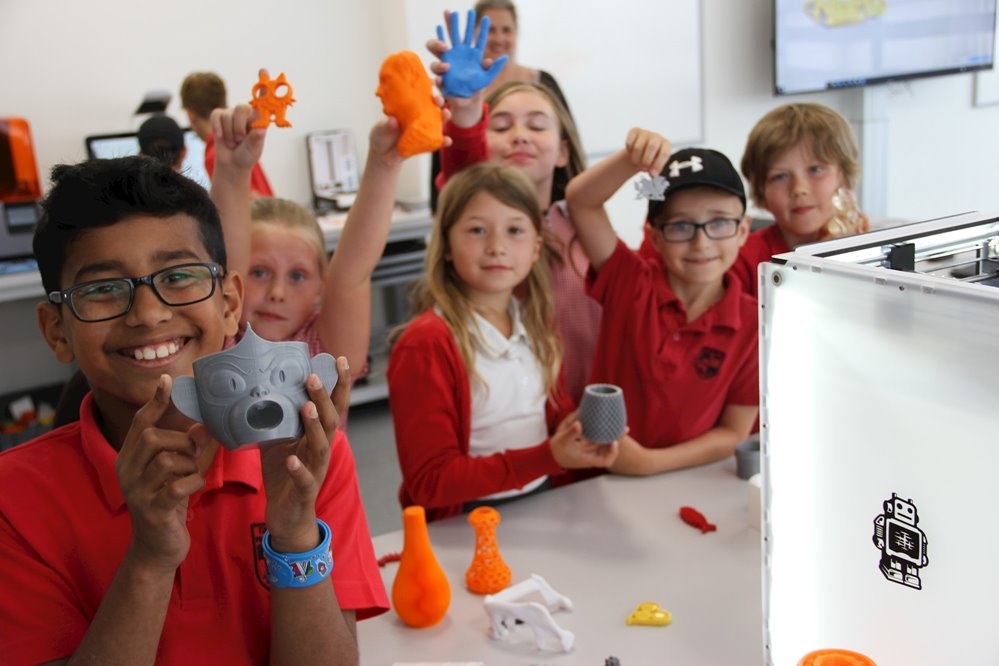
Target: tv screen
x,y
122,144
826,44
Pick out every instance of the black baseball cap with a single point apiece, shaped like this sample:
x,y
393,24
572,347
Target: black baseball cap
x,y
691,167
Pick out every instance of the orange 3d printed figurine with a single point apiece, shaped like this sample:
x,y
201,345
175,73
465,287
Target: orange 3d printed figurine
x,y
488,573
271,99
407,94
420,592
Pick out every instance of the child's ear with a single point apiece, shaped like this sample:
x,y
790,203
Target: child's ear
x,y
655,236
232,302
744,227
50,323
563,154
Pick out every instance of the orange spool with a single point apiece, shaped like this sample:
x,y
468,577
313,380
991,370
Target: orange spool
x,y
488,573
835,657
421,593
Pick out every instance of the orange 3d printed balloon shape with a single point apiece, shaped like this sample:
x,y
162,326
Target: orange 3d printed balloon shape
x,y
420,592
488,573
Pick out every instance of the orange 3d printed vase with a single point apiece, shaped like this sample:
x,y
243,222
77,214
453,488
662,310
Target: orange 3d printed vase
x,y
835,657
420,591
488,573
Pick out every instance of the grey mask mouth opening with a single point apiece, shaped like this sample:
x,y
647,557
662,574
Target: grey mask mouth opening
x,y
264,415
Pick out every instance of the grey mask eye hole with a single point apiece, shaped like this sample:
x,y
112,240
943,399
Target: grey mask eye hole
x,y
288,372
226,383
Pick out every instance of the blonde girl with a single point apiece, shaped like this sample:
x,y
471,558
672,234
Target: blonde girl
x,y
474,380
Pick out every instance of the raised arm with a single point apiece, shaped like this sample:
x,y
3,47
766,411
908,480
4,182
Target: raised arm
x,y
587,193
463,73
237,150
345,312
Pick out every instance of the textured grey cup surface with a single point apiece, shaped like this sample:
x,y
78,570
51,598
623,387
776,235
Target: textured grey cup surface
x,y
602,413
747,456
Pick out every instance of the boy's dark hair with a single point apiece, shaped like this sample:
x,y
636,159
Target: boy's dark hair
x,y
161,137
202,92
99,193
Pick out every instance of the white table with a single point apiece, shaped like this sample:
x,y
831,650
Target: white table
x,y
608,544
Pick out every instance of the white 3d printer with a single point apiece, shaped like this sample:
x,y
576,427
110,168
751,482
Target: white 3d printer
x,y
879,413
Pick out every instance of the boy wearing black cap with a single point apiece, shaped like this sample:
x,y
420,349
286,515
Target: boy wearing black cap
x,y
675,335
162,138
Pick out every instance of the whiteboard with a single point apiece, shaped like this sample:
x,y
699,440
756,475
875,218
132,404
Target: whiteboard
x,y
596,50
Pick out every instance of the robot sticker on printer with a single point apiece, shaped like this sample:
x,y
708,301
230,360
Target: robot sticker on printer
x,y
901,542
253,392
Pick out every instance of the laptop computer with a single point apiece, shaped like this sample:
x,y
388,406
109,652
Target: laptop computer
x,y
123,144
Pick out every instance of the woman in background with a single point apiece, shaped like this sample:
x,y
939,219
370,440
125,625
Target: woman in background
x,y
502,41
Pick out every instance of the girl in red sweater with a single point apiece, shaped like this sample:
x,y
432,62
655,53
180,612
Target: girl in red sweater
x,y
474,379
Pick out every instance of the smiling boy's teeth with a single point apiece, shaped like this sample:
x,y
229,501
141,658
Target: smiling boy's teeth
x,y
153,352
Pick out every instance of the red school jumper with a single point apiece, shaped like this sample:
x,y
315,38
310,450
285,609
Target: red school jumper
x,y
431,400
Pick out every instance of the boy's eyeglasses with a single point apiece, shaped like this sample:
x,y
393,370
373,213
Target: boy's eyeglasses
x,y
100,300
681,232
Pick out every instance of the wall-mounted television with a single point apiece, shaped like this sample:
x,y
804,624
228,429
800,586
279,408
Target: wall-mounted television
x,y
123,144
828,44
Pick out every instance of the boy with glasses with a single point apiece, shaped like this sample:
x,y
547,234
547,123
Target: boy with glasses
x,y
676,335
133,536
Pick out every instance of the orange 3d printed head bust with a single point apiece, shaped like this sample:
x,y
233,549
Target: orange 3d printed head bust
x,y
407,94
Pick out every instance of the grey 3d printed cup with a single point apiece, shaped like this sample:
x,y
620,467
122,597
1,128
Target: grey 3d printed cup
x,y
602,413
747,457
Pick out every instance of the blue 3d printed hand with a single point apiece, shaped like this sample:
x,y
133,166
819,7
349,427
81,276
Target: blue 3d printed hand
x,y
466,76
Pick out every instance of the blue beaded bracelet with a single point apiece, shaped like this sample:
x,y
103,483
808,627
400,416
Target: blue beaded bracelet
x,y
299,569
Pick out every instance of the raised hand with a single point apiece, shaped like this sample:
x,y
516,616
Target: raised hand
x,y
465,74
294,472
158,471
237,144
647,151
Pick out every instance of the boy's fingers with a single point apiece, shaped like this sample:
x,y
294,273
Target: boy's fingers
x,y
341,392
300,475
317,442
151,412
322,405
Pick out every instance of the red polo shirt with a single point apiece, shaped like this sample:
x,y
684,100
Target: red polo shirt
x,y
64,527
677,377
760,246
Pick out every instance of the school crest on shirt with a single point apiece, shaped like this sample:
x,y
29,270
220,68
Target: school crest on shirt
x,y
259,564
709,362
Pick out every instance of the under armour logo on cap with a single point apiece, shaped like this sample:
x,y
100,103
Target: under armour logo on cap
x,y
694,163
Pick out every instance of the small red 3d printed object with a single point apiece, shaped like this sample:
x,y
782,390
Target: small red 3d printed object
x,y
693,517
